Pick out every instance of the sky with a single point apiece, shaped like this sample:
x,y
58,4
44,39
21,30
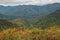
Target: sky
x,y
26,2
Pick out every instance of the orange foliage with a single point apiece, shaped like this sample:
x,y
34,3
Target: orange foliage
x,y
52,33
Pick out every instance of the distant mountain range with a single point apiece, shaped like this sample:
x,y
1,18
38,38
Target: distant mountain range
x,y
28,11
31,15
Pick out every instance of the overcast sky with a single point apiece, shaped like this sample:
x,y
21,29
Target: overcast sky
x,y
26,2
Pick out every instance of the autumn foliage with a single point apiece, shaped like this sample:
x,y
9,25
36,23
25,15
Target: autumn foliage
x,y
52,33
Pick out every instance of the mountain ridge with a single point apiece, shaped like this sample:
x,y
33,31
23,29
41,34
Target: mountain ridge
x,y
28,14
29,11
49,20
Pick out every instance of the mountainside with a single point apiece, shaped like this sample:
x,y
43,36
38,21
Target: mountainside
x,y
4,24
3,16
31,15
49,20
30,22
29,11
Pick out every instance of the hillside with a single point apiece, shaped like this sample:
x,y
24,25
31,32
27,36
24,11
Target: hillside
x,y
3,16
4,24
49,20
31,15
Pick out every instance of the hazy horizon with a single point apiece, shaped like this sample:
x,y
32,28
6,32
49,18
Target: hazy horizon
x,y
26,2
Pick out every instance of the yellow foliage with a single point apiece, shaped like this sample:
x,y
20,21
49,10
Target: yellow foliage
x,y
52,33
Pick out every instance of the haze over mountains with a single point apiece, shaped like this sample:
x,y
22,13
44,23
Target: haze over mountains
x,y
27,15
29,19
28,11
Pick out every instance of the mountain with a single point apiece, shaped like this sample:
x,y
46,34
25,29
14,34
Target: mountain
x,y
49,20
28,11
27,15
2,16
4,24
